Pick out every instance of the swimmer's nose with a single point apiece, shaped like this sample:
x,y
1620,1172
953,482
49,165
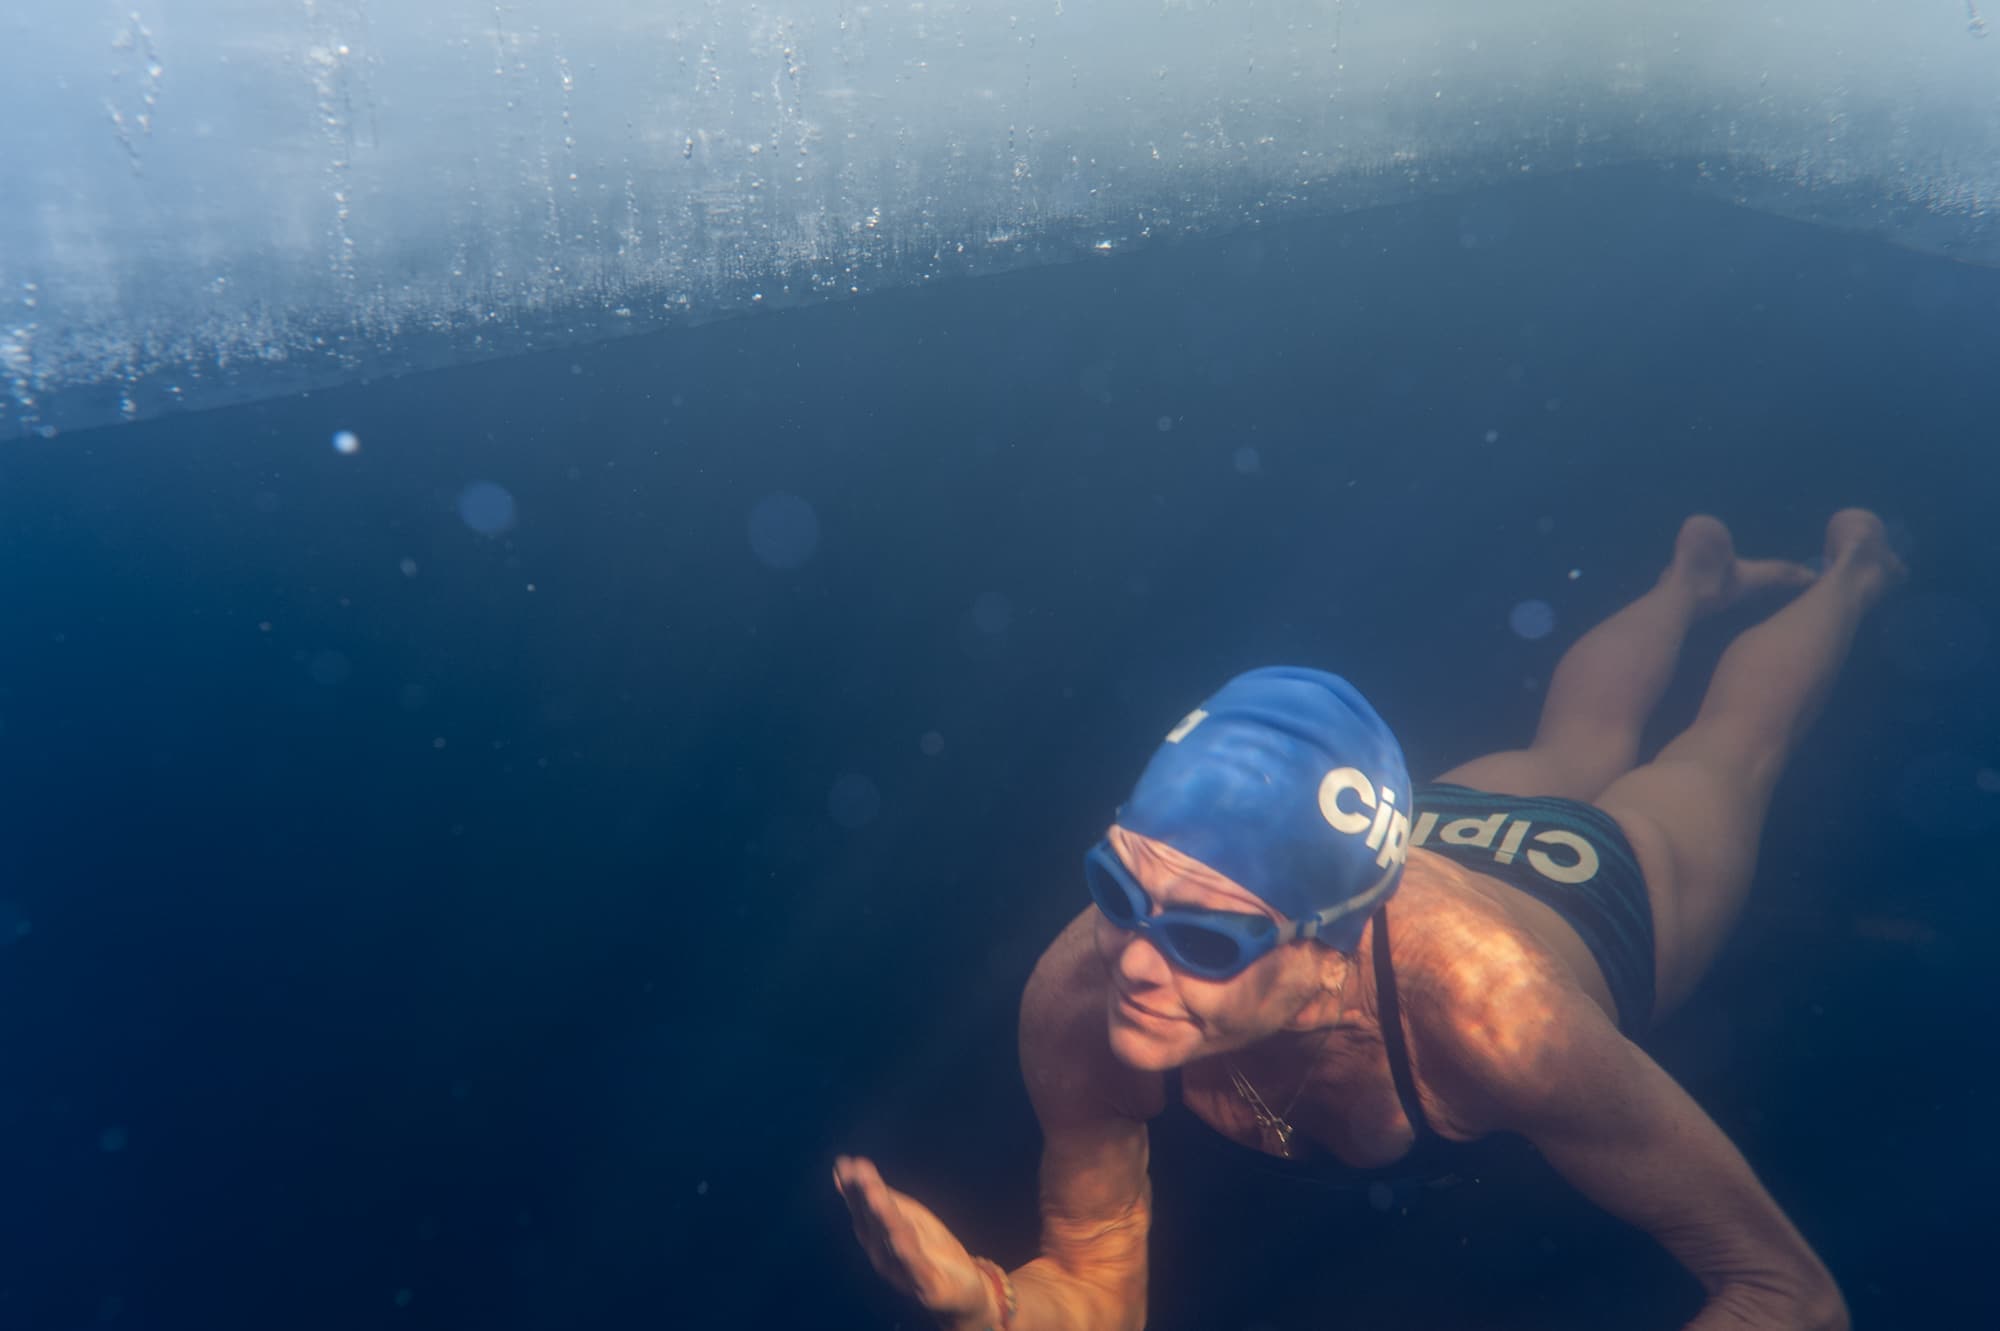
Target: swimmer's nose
x,y
1139,961
1115,943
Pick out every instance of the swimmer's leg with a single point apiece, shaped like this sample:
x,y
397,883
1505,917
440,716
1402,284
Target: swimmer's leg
x,y
1695,813
1609,681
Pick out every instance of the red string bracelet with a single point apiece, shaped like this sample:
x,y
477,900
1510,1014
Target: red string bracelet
x,y
1003,1291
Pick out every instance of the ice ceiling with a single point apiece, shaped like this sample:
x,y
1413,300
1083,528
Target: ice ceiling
x,y
216,200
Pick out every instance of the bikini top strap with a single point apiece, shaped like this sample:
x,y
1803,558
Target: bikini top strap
x,y
1392,1030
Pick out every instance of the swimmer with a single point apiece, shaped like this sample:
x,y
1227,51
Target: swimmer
x,y
1333,969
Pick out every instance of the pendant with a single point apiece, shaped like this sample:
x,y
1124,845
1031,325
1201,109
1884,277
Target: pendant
x,y
1278,1137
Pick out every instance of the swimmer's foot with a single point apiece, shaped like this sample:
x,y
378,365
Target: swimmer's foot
x,y
1857,545
1705,562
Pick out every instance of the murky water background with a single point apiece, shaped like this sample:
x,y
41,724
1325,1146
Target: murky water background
x,y
478,872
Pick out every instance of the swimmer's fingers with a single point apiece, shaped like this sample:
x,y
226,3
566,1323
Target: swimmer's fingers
x,y
906,1244
871,1207
884,1223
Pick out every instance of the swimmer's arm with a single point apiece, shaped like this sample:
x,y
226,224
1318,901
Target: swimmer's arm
x,y
1096,1198
1626,1135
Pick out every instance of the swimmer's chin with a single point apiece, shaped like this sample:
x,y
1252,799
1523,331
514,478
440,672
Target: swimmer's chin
x,y
1143,1053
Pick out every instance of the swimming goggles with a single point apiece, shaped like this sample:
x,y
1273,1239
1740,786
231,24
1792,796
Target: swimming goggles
x,y
1214,944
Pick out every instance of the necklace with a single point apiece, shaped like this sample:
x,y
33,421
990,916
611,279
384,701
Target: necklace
x,y
1274,1130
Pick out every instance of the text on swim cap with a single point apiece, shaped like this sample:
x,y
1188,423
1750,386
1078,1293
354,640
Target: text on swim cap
x,y
1187,723
1386,826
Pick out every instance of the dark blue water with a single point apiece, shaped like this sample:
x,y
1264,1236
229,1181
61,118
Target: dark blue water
x,y
404,926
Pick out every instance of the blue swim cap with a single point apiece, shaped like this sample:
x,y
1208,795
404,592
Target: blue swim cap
x,y
1287,782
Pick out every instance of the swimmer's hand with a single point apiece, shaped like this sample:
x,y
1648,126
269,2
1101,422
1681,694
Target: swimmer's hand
x,y
910,1247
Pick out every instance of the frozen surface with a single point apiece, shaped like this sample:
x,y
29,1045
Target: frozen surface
x,y
217,200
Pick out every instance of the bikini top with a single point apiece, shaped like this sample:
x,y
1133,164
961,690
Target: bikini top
x,y
1432,1159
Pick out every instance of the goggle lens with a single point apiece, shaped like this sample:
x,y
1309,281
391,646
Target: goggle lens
x,y
1203,949
1118,899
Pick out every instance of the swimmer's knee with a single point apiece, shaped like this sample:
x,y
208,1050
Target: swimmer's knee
x,y
1739,759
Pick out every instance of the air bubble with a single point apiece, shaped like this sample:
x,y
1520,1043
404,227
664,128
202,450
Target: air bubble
x,y
1532,619
487,508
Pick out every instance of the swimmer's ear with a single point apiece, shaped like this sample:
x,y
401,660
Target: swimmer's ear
x,y
1334,978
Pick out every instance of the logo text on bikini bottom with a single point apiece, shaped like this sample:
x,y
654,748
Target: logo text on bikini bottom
x,y
1578,862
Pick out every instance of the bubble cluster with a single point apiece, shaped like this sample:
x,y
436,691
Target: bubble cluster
x,y
550,256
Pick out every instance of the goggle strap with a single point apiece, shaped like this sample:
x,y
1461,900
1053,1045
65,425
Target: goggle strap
x,y
1311,926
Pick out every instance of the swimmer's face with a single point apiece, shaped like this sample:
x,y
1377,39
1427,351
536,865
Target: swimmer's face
x,y
1161,1016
